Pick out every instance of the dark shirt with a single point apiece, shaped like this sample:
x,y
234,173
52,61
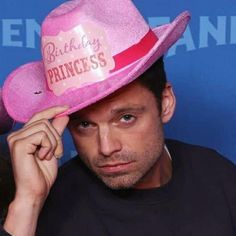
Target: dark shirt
x,y
7,187
199,200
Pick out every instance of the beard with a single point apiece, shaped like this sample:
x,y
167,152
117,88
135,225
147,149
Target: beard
x,y
141,165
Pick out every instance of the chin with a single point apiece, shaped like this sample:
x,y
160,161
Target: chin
x,y
120,182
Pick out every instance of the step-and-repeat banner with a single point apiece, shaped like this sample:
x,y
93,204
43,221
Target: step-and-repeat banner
x,y
201,65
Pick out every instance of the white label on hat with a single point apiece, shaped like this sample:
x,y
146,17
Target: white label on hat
x,y
76,58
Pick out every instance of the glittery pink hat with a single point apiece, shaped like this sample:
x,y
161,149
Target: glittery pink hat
x,y
6,122
90,48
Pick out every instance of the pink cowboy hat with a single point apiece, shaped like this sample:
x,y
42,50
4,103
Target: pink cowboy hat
x,y
6,122
90,49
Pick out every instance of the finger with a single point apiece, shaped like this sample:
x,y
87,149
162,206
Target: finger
x,y
29,145
44,125
60,124
30,130
46,146
47,114
50,126
54,133
57,127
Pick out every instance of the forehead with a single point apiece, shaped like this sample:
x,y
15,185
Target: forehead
x,y
133,95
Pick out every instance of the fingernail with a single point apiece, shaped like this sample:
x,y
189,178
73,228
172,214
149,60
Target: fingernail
x,y
42,153
49,156
58,156
66,106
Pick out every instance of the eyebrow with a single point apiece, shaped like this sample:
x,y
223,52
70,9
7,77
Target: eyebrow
x,y
74,117
128,109
115,111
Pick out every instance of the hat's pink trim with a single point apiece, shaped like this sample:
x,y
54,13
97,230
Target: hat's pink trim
x,y
136,51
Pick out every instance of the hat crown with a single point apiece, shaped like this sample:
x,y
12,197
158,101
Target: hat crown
x,y
123,24
64,8
84,41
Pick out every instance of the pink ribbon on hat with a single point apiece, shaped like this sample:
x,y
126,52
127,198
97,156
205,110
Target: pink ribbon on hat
x,y
136,51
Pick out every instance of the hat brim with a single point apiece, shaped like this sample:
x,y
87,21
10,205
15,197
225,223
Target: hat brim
x,y
25,92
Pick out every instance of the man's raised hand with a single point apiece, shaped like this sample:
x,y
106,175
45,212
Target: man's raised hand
x,y
34,151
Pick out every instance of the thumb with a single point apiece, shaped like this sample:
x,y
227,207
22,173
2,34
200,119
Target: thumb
x,y
60,123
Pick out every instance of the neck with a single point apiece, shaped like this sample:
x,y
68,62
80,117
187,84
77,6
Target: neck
x,y
159,174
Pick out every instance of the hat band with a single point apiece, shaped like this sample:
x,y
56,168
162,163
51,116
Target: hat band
x,y
135,52
83,56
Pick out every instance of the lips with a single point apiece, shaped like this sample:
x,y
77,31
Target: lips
x,y
113,168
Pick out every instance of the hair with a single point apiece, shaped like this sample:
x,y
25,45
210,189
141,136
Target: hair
x,y
154,79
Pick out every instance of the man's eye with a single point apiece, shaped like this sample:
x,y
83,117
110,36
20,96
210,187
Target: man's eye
x,y
127,118
84,124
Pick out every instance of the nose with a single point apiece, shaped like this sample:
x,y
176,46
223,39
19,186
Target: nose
x,y
109,141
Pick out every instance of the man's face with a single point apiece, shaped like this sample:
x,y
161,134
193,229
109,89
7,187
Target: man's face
x,y
120,138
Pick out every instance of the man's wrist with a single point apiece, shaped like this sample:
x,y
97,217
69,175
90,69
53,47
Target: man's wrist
x,y
26,204
22,216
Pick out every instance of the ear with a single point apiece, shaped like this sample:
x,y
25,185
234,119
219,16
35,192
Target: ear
x,y
168,103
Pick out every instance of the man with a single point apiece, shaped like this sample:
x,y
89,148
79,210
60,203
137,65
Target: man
x,y
127,179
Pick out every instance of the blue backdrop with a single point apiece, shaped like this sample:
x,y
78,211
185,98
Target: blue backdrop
x,y
201,65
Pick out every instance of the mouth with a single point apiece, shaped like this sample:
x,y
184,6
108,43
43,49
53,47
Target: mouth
x,y
115,168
